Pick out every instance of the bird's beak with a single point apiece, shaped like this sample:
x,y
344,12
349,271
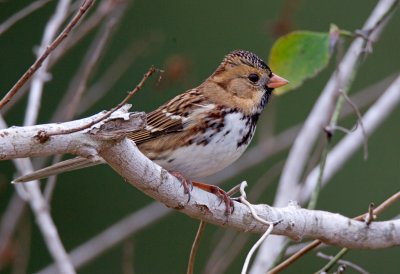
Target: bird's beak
x,y
276,81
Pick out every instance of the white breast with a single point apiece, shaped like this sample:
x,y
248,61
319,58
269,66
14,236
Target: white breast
x,y
199,160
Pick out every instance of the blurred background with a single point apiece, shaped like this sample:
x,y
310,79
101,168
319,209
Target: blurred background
x,y
188,39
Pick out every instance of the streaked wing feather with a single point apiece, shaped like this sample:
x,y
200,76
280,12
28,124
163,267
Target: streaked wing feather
x,y
160,123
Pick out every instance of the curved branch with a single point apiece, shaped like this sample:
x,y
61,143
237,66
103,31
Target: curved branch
x,y
136,169
107,141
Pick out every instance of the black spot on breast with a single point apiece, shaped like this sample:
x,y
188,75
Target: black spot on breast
x,y
171,160
249,130
227,132
203,142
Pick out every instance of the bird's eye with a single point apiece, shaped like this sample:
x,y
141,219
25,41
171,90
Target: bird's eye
x,y
253,77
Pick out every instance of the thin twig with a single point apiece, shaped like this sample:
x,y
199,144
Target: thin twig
x,y
333,261
231,242
37,64
271,225
108,113
370,216
359,118
195,247
21,14
382,207
349,264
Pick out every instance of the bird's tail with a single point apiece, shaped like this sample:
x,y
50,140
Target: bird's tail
x,y
61,167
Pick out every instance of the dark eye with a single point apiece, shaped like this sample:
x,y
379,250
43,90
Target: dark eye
x,y
253,77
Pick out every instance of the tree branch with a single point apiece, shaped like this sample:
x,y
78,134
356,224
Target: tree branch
x,y
124,157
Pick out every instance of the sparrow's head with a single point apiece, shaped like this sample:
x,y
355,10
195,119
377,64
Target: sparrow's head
x,y
245,81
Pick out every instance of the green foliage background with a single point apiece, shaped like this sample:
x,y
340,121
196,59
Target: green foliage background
x,y
200,32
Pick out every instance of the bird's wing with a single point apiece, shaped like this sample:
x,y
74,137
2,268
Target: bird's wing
x,y
171,117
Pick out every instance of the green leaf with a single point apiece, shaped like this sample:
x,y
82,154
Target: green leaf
x,y
298,56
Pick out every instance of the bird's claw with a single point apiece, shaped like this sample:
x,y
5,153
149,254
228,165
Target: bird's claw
x,y
185,183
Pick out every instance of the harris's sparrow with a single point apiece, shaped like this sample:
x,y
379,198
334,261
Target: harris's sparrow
x,y
204,129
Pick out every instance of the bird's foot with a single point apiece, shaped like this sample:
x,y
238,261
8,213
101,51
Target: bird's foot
x,y
185,183
220,193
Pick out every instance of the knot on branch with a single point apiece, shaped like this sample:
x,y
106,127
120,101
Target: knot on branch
x,y
42,136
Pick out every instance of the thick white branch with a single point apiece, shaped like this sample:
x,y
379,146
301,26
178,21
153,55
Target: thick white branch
x,y
130,163
30,141
124,157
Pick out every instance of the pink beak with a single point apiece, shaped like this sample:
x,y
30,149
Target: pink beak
x,y
276,81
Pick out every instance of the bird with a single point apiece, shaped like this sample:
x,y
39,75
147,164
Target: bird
x,y
204,129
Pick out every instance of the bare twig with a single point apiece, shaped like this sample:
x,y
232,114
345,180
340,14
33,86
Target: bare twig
x,y
349,264
359,121
108,113
271,225
333,261
231,242
21,14
382,207
82,10
294,257
370,217
195,247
